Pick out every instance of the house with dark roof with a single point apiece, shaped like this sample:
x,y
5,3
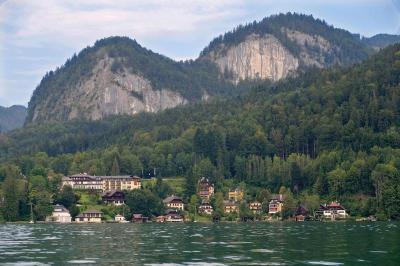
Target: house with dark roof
x,y
332,211
114,197
205,189
301,213
174,202
173,216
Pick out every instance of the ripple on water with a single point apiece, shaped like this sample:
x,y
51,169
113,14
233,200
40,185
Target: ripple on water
x,y
263,250
321,262
84,261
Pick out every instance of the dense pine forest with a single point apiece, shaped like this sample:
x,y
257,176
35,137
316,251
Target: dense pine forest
x,y
324,135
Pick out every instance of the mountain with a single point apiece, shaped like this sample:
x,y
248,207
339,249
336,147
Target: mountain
x,y
118,76
329,134
279,45
380,41
12,117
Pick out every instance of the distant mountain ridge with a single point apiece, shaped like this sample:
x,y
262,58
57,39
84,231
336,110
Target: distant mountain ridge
x,y
12,117
380,41
118,76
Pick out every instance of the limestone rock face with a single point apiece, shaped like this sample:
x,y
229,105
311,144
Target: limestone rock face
x,y
107,93
314,49
258,57
265,57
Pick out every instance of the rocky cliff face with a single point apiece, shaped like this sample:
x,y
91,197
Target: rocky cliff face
x,y
258,57
107,93
265,57
118,76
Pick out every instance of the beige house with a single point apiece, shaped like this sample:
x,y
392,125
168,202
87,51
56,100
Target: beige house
x,y
230,207
90,216
83,182
276,204
121,182
102,183
60,215
174,202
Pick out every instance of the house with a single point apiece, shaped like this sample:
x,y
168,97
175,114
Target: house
x,y
236,195
102,183
255,207
205,208
205,189
301,213
174,202
173,216
82,181
114,197
139,218
60,215
119,218
230,206
276,204
332,211
90,216
124,182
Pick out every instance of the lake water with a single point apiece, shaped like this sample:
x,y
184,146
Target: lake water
x,y
201,244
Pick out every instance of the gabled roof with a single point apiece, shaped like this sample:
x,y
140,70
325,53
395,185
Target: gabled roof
x,y
172,198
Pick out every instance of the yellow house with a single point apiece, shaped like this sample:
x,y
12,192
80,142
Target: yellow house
x,y
121,183
236,195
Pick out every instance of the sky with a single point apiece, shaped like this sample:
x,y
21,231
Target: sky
x,y
38,36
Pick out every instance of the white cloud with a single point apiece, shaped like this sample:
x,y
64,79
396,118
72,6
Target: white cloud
x,y
34,22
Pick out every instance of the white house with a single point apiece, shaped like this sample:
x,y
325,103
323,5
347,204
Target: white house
x,y
60,215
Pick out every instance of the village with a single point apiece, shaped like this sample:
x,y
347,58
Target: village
x,y
113,189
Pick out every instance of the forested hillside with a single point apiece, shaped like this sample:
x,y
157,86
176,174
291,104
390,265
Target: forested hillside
x,y
118,76
327,133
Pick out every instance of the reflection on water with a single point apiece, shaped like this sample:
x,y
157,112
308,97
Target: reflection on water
x,y
202,244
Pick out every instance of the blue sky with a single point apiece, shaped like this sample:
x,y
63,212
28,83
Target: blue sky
x,y
38,36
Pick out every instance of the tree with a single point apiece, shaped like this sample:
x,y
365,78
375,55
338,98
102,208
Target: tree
x,y
190,185
161,189
40,197
67,197
115,167
144,202
194,204
11,200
